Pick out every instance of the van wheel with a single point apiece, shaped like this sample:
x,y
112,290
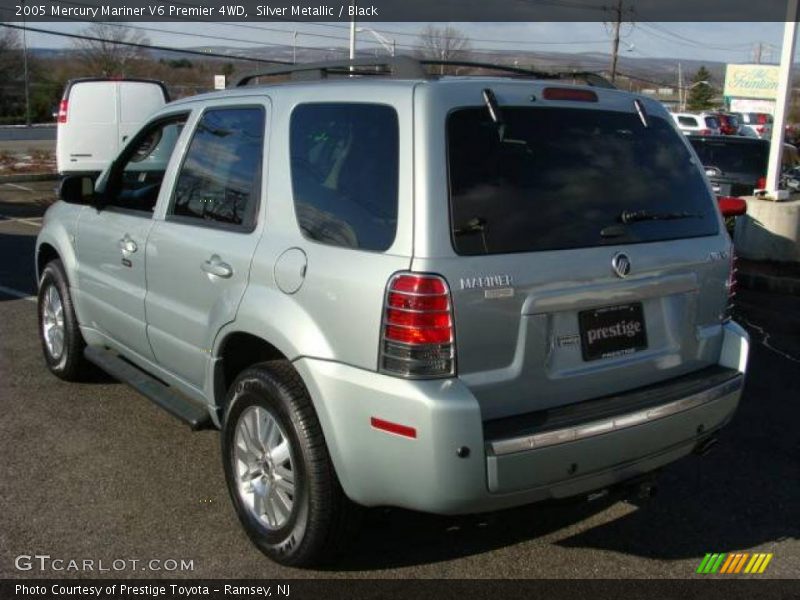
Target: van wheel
x,y
62,342
279,474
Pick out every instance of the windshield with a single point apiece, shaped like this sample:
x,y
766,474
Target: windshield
x,y
733,157
559,177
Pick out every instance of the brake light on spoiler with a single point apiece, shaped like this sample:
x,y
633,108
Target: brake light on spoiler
x,y
569,94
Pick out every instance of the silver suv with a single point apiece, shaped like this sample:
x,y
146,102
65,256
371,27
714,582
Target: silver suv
x,y
451,294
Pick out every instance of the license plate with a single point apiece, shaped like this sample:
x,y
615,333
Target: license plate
x,y
612,331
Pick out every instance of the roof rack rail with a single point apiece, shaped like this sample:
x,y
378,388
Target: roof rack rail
x,y
404,67
400,67
591,78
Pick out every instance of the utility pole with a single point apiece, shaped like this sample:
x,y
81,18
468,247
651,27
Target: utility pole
x,y
353,31
294,47
782,101
681,103
758,50
615,45
25,69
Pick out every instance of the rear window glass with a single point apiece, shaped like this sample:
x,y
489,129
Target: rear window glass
x,y
731,157
562,178
688,121
344,161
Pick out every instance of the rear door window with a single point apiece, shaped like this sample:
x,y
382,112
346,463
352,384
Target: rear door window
x,y
562,178
344,162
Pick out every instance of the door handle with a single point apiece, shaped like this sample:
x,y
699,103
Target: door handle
x,y
215,266
127,245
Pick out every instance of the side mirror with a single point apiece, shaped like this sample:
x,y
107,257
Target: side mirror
x,y
77,189
731,207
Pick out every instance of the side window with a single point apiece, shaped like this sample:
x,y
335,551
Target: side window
x,y
344,162
136,181
688,121
219,180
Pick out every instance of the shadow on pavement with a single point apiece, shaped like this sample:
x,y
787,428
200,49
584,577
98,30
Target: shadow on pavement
x,y
17,248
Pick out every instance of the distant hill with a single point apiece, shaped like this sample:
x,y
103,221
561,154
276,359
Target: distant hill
x,y
658,70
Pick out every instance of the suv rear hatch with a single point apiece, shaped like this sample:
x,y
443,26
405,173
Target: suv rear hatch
x,y
582,245
733,165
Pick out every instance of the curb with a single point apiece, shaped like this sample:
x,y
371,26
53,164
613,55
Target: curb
x,y
769,283
23,177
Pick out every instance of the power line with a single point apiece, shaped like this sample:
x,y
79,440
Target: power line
x,y
146,46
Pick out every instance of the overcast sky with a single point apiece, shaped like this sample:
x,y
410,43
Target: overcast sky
x,y
725,42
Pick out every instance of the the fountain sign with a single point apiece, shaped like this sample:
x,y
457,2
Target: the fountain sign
x,y
751,81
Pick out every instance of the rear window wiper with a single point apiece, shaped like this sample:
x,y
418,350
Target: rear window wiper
x,y
633,216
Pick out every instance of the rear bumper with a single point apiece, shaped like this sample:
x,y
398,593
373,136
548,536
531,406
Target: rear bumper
x,y
431,472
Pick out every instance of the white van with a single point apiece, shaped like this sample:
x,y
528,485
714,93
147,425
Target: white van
x,y
97,115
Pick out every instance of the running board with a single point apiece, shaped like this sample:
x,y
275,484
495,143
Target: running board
x,y
164,396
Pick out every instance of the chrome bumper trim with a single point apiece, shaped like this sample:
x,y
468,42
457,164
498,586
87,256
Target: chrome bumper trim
x,y
603,426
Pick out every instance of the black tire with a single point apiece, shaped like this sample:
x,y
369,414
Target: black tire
x,y
322,519
70,363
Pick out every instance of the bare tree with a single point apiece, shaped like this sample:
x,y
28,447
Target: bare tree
x,y
11,98
444,43
109,53
10,52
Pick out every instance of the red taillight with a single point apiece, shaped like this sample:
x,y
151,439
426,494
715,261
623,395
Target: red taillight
x,y
760,130
575,95
62,111
418,331
761,184
730,206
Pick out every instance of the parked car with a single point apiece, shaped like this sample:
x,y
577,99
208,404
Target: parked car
x,y
736,165
96,117
728,124
697,124
756,124
404,291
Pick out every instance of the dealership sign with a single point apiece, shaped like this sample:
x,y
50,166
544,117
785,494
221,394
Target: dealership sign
x,y
751,81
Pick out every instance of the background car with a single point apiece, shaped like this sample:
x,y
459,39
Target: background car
x,y
728,124
737,165
759,124
697,124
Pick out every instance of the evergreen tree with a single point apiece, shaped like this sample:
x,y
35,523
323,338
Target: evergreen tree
x,y
701,91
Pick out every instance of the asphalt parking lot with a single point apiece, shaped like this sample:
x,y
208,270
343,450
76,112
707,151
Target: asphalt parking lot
x,y
95,471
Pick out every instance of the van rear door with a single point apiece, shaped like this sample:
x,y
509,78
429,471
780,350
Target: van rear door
x,y
88,137
97,117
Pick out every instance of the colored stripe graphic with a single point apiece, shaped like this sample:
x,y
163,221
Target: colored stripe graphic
x,y
764,564
703,563
726,567
734,563
740,564
755,562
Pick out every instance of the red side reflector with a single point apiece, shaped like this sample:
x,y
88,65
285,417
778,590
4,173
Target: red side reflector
x,y
761,183
731,207
62,111
571,94
395,428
